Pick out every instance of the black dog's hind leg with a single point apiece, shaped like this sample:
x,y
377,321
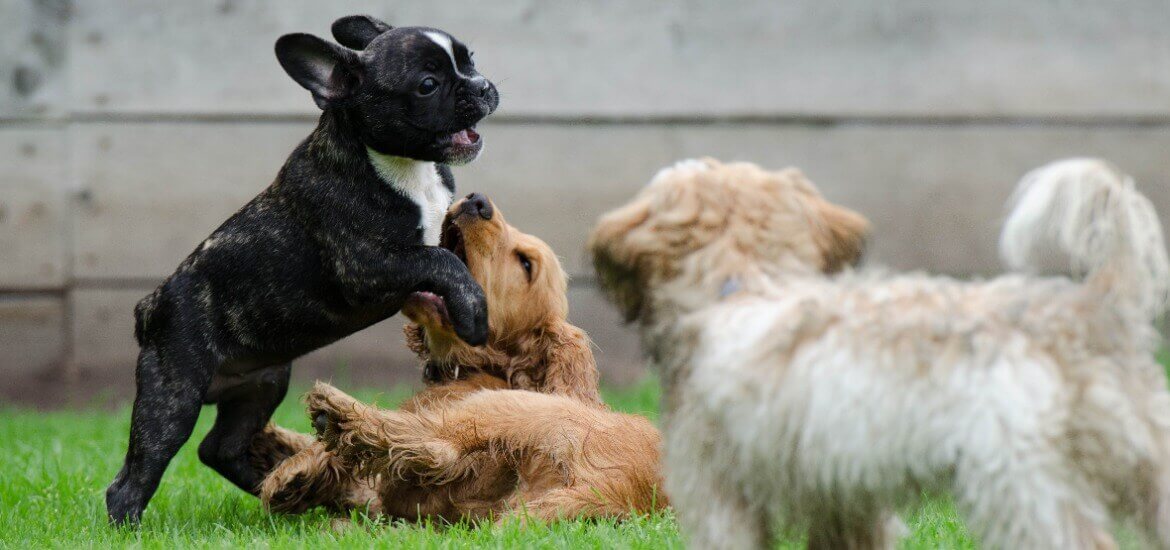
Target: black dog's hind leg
x,y
166,407
243,411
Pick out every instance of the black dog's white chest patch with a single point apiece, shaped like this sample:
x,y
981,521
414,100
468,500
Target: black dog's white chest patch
x,y
420,182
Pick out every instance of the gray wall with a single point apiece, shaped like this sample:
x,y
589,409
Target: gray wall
x,y
130,129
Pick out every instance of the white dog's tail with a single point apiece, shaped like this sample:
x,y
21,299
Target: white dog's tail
x,y
1084,219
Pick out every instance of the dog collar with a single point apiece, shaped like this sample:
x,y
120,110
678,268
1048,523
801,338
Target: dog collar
x,y
730,286
434,372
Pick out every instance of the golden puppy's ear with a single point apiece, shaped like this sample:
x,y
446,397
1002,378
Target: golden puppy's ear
x,y
841,237
569,366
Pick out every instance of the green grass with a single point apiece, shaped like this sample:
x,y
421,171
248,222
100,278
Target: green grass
x,y
57,465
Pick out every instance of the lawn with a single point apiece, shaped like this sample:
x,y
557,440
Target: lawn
x,y
58,464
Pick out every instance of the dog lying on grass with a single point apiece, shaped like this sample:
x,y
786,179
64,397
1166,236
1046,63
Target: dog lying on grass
x,y
460,449
797,400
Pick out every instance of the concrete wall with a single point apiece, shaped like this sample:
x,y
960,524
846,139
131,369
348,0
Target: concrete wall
x,y
130,129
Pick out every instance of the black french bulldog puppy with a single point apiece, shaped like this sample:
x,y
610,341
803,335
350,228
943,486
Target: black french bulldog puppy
x,y
337,243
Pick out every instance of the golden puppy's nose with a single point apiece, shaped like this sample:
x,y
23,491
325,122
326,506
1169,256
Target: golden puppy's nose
x,y
477,204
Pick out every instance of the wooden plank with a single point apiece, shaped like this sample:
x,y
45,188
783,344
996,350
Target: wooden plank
x,y
934,193
32,335
997,58
150,192
32,58
101,330
32,208
102,335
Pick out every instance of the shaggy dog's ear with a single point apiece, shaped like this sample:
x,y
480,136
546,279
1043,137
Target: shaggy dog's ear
x,y
569,366
842,236
614,261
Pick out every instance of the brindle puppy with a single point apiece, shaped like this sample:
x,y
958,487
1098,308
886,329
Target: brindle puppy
x,y
337,243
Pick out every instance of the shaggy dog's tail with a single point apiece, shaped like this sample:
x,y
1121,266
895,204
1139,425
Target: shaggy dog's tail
x,y
1084,219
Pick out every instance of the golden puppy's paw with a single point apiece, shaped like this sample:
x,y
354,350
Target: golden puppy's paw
x,y
329,408
291,494
310,478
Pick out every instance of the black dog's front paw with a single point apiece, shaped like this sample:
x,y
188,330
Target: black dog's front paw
x,y
469,316
124,503
475,332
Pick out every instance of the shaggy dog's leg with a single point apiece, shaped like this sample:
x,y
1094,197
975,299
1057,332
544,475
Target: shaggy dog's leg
x,y
1030,504
715,512
1156,516
718,515
868,531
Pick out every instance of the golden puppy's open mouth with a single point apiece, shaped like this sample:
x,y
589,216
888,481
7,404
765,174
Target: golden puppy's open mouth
x,y
451,238
427,308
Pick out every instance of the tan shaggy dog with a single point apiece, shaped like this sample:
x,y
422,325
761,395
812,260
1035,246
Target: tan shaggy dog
x,y
796,399
458,449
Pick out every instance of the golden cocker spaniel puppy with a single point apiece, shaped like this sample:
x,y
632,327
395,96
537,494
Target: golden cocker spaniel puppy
x,y
515,427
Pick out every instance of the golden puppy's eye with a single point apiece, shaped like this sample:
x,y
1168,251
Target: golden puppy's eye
x,y
526,264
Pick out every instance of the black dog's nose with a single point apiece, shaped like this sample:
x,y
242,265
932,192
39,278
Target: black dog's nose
x,y
484,88
478,205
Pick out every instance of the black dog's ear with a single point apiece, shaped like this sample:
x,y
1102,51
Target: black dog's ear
x,y
330,72
357,31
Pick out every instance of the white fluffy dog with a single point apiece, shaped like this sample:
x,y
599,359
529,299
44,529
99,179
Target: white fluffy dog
x,y
795,400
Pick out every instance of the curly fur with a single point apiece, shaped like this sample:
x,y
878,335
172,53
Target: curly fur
x,y
570,458
467,445
798,400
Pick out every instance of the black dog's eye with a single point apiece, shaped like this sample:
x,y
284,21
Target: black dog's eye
x,y
527,265
428,86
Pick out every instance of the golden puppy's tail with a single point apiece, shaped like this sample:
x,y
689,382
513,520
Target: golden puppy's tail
x,y
1084,219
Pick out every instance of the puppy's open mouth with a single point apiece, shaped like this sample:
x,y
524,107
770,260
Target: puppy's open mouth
x,y
427,309
452,239
466,137
463,146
